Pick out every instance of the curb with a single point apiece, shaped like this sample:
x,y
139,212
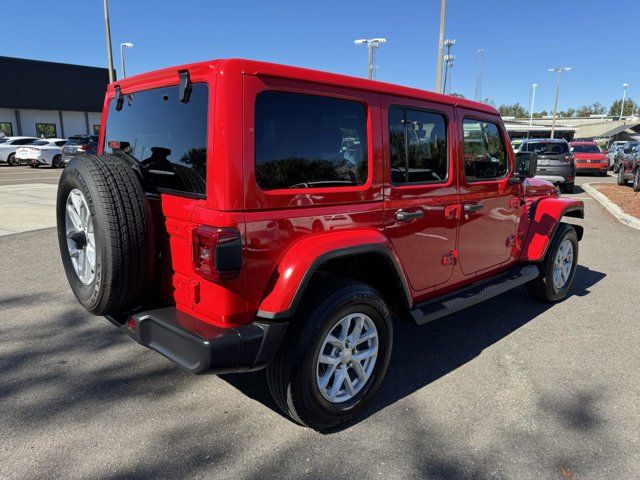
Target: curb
x,y
614,209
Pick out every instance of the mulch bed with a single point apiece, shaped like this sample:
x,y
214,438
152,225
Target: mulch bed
x,y
624,197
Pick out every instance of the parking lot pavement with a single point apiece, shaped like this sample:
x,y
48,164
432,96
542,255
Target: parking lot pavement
x,y
24,174
507,389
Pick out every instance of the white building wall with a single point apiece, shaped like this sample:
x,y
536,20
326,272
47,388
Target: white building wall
x,y
29,118
74,123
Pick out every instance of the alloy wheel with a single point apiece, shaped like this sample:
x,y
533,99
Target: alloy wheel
x,y
81,242
347,358
562,264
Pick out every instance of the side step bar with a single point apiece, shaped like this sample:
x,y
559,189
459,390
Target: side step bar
x,y
473,294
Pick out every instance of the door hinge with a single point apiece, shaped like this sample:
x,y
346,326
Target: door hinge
x,y
450,258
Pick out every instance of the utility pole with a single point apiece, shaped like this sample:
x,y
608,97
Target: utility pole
x,y
122,47
533,101
558,71
448,61
478,96
372,45
443,12
107,28
624,94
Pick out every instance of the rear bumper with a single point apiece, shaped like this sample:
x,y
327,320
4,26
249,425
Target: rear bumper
x,y
200,347
555,174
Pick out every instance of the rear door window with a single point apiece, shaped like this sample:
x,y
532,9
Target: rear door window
x,y
417,146
166,137
309,141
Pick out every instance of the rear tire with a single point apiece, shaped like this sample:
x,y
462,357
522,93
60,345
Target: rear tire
x,y
544,288
297,372
11,160
621,180
121,228
55,163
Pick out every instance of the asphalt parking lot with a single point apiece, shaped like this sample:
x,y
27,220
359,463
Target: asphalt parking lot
x,y
507,389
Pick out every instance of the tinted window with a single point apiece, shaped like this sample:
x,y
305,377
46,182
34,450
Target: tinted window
x,y
417,146
39,142
166,137
485,157
22,141
61,143
548,148
77,140
305,141
585,149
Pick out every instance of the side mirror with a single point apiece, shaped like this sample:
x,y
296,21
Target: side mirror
x,y
526,164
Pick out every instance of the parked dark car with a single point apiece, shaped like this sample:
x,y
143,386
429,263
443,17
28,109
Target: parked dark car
x,y
79,145
626,149
556,164
629,168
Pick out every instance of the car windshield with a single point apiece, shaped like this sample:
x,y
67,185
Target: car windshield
x,y
547,148
585,149
39,142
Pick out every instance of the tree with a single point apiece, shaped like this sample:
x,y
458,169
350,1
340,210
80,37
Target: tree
x,y
594,109
459,95
629,107
515,110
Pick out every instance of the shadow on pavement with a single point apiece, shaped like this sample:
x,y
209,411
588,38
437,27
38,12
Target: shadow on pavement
x,y
423,354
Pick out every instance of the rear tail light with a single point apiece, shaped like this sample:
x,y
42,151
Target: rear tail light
x,y
217,253
568,158
83,148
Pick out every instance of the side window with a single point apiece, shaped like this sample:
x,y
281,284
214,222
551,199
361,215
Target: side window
x,y
60,143
485,157
417,146
305,141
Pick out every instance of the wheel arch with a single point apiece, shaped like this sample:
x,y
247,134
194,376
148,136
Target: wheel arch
x,y
545,217
356,258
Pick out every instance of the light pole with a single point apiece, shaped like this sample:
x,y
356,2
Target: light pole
x,y
443,12
533,101
107,28
372,44
624,94
558,71
478,96
448,61
122,47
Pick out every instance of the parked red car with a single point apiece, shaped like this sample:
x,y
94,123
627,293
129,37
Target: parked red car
x,y
243,215
589,158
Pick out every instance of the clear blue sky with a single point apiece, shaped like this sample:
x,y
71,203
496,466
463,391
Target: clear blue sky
x,y
522,38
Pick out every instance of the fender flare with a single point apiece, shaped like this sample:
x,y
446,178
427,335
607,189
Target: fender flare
x,y
299,263
545,216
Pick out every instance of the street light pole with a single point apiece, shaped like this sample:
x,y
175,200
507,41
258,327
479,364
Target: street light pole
x,y
107,28
372,45
122,47
478,96
624,94
443,12
558,71
533,101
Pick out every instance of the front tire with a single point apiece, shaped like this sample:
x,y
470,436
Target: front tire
x,y
334,356
558,267
621,180
11,160
636,180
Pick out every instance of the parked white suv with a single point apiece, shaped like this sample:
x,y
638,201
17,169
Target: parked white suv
x,y
41,152
8,147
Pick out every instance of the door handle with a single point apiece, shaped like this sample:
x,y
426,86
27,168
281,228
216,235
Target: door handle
x,y
403,216
472,207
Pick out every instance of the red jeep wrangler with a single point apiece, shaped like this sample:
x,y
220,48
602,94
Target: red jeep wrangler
x,y
242,215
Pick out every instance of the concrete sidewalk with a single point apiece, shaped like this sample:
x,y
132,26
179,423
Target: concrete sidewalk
x,y
27,207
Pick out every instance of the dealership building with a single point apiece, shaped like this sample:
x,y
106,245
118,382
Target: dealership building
x,y
50,99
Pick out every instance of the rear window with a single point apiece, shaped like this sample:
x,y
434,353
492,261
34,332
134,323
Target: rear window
x,y
305,141
77,141
585,149
168,138
548,148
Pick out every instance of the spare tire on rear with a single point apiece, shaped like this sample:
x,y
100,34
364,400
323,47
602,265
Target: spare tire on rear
x,y
106,233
